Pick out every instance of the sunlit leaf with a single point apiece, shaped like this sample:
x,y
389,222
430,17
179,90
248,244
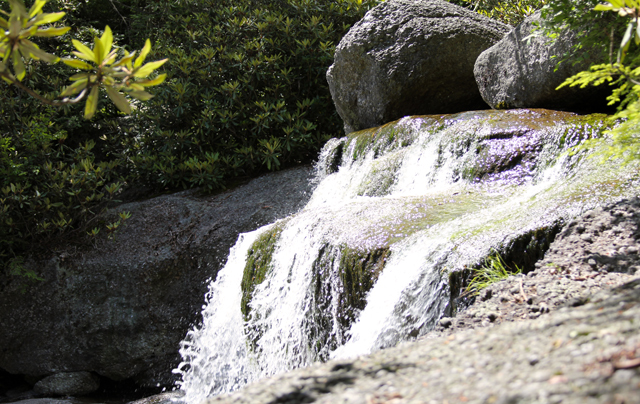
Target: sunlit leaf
x,y
106,40
48,18
143,54
78,64
54,31
147,69
97,50
158,80
126,59
36,8
83,51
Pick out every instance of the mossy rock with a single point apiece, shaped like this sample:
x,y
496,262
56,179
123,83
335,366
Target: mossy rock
x,y
258,265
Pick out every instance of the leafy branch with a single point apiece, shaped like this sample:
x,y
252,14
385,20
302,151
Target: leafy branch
x,y
127,76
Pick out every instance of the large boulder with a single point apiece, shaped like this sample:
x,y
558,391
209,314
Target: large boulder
x,y
522,71
409,57
121,307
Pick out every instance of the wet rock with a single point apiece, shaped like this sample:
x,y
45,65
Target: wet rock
x,y
409,57
121,309
521,71
68,384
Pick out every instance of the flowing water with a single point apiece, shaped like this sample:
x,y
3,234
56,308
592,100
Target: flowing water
x,y
395,211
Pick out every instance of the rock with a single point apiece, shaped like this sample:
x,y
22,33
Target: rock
x,y
409,57
121,308
520,71
68,384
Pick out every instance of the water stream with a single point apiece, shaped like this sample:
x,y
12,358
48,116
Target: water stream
x,y
395,210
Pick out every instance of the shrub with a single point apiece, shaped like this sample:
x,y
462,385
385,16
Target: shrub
x,y
246,89
509,12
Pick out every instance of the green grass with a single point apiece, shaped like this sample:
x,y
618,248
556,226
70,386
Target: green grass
x,y
493,270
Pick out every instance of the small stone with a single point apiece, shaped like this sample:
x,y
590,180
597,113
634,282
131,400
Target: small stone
x,y
580,229
486,295
632,250
587,238
533,360
592,263
534,308
530,300
534,315
68,384
445,322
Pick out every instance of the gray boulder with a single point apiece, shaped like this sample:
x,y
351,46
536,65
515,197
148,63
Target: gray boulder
x,y
68,384
409,57
120,308
522,71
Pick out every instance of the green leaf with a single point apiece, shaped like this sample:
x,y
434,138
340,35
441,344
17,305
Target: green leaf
x,y
18,66
603,7
158,80
119,99
97,50
126,59
106,40
92,103
36,8
53,31
147,69
78,64
37,53
83,51
15,26
141,95
79,76
4,24
47,18
17,9
143,54
75,88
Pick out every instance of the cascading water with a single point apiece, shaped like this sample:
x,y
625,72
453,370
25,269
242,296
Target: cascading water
x,y
395,211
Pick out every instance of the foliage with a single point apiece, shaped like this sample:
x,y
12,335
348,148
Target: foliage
x,y
48,187
246,90
494,270
509,12
622,142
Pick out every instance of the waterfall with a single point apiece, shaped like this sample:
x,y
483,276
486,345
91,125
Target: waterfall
x,y
395,211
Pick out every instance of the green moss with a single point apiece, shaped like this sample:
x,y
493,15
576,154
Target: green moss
x,y
357,272
258,265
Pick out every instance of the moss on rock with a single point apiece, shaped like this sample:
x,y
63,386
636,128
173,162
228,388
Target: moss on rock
x,y
258,265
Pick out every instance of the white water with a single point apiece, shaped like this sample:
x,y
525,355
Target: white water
x,y
407,198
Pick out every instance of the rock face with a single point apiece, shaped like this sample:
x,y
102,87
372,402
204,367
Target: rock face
x,y
409,57
522,72
121,308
